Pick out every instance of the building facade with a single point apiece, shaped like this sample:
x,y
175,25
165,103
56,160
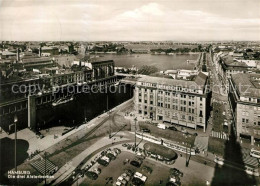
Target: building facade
x,y
170,100
100,69
244,98
227,66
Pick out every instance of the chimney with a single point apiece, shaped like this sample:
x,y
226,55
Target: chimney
x,y
17,55
40,51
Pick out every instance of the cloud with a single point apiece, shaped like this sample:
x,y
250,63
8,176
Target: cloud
x,y
151,9
125,20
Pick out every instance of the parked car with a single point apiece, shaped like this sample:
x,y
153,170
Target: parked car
x,y
176,172
111,156
102,162
137,181
129,172
136,162
92,175
172,128
117,150
161,126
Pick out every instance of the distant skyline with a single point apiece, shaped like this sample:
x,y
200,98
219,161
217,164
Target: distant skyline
x,y
121,20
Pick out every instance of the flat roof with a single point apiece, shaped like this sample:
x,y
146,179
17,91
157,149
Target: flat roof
x,y
106,61
36,59
160,150
247,85
198,82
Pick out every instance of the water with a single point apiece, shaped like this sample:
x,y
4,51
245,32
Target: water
x,y
162,62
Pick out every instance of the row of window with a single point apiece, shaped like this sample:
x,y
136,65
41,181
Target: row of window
x,y
160,92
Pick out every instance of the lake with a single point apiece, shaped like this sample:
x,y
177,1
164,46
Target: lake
x,y
162,62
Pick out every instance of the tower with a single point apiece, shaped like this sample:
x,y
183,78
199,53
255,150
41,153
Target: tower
x,y
40,51
17,54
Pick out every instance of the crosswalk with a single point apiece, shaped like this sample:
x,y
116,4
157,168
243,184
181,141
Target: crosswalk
x,y
249,160
39,165
220,135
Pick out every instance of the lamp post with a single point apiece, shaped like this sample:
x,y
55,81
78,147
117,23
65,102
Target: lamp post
x,y
110,130
135,131
186,163
45,153
15,130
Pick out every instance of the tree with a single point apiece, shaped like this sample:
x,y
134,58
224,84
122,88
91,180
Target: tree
x,y
147,70
200,48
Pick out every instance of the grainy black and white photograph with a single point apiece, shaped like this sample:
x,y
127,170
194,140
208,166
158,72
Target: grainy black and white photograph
x,y
130,92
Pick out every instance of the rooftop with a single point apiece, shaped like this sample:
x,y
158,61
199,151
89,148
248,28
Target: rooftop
x,y
8,53
36,59
160,150
248,85
95,62
199,81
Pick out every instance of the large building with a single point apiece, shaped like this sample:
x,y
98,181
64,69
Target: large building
x,y
176,101
100,69
244,98
37,62
226,66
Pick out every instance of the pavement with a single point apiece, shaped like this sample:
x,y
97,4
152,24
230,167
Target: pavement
x,y
54,135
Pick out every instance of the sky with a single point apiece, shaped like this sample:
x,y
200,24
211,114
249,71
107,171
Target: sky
x,y
129,20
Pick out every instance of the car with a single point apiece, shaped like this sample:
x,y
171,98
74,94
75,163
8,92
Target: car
x,y
219,161
111,156
118,183
125,145
195,134
135,163
176,172
117,150
97,170
252,171
137,181
129,147
87,167
102,162
124,182
129,172
146,130
127,178
92,175
81,175
172,128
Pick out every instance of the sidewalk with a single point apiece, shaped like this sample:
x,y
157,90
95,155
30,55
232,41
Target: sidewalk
x,y
49,140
